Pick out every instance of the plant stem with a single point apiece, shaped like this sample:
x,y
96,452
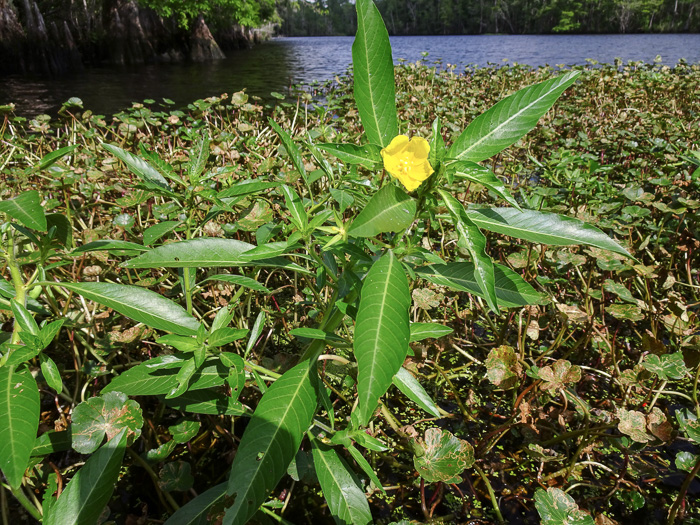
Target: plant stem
x,y
24,501
681,493
17,282
492,495
3,506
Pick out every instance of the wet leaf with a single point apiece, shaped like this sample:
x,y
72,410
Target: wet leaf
x,y
556,507
440,456
658,425
686,461
627,312
502,367
669,366
556,377
104,415
176,476
634,425
185,430
689,425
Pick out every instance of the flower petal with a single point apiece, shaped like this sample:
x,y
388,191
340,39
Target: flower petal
x,y
419,147
396,146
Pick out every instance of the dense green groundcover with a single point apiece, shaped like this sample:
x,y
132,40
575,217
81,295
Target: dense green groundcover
x,y
592,391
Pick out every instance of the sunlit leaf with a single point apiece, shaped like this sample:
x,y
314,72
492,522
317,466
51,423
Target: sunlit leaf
x,y
101,416
367,155
556,507
389,210
84,498
511,290
475,242
19,421
26,208
158,376
139,304
509,120
373,70
150,176
341,488
205,252
543,228
413,390
270,441
381,332
440,456
420,331
502,367
668,366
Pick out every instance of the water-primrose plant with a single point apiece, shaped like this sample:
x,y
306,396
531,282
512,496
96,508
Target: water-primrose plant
x,y
348,261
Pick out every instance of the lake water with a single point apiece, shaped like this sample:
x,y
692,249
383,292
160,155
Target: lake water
x,y
276,65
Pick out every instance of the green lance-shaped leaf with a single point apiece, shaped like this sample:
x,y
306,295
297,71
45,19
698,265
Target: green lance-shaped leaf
x,y
109,245
543,228
26,208
19,421
139,304
295,207
476,245
206,252
474,172
509,120
158,376
556,507
85,497
341,488
389,210
207,402
373,70
420,331
50,158
151,177
381,332
367,155
413,390
197,510
291,147
239,280
104,415
511,289
271,441
198,159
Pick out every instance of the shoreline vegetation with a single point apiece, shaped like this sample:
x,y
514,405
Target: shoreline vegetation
x,y
611,417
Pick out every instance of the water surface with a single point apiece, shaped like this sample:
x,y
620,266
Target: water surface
x,y
276,65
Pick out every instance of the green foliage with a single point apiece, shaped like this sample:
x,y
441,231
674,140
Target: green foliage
x,y
442,457
558,508
261,294
242,12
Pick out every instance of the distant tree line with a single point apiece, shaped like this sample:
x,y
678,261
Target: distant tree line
x,y
445,17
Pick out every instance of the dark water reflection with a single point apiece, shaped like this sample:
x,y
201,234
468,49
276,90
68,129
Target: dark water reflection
x,y
277,64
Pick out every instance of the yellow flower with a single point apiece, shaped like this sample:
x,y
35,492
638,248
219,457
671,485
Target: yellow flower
x,y
407,160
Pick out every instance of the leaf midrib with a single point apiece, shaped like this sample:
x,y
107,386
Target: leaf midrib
x,y
479,141
375,344
250,488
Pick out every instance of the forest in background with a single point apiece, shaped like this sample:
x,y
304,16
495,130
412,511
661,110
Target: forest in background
x,y
448,17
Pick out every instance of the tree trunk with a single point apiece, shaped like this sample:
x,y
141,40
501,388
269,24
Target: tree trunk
x,y
203,46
